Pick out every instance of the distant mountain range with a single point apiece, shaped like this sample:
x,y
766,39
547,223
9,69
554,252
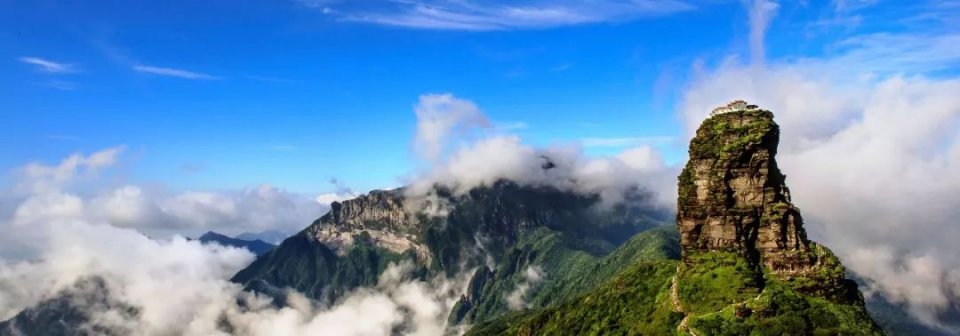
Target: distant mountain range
x,y
256,246
274,237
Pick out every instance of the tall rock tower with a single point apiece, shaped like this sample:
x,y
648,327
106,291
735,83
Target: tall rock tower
x,y
745,257
732,196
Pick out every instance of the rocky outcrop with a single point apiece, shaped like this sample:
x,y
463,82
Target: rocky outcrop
x,y
733,197
380,214
378,209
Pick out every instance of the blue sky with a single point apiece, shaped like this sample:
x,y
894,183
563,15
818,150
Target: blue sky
x,y
227,94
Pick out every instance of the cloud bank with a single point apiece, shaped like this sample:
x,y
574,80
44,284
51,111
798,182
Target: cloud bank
x,y
88,188
180,287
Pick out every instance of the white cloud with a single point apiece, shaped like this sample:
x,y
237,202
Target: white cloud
x,y
79,188
517,298
492,156
643,158
178,286
484,16
171,72
48,65
889,53
37,177
761,13
327,198
441,117
920,280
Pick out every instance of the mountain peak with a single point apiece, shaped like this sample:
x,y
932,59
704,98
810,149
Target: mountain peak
x,y
257,246
733,197
211,235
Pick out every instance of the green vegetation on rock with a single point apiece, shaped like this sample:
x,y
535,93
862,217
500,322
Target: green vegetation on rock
x,y
570,271
626,305
711,281
315,270
781,310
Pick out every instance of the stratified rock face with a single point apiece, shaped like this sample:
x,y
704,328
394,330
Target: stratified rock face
x,y
732,195
377,209
380,214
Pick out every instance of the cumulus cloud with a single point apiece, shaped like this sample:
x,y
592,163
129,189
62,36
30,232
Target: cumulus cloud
x,y
442,117
86,188
37,177
487,157
516,299
871,157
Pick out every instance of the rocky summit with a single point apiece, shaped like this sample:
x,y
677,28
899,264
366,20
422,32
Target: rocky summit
x,y
733,197
381,214
737,224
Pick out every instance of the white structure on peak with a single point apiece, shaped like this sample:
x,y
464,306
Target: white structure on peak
x,y
734,106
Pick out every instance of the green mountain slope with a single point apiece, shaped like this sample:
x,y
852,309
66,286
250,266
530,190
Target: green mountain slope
x,y
568,271
633,303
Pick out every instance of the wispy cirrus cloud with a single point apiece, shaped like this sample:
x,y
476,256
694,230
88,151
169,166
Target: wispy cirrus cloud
x,y
172,72
48,65
494,15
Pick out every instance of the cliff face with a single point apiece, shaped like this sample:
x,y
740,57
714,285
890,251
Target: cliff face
x,y
741,238
380,214
733,197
